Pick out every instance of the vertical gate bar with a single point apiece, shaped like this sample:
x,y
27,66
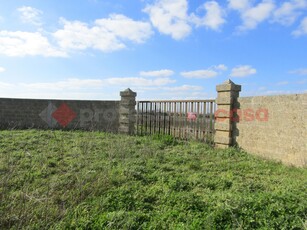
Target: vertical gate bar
x,y
175,120
191,122
145,108
211,120
180,119
169,118
137,117
185,120
205,120
160,118
194,121
155,119
197,119
202,121
150,117
164,116
142,114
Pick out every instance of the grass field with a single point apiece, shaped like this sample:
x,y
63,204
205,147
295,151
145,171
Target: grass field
x,y
92,180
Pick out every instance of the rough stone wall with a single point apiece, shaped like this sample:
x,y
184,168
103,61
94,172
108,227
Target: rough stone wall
x,y
59,114
274,127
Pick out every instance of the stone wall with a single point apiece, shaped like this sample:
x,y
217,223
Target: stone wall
x,y
273,127
66,114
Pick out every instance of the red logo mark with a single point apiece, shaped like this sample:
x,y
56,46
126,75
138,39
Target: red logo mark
x,y
248,114
64,115
192,116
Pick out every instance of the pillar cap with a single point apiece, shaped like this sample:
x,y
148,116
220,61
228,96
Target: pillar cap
x,y
228,85
127,93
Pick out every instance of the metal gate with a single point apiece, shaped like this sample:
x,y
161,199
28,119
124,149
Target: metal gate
x,y
185,119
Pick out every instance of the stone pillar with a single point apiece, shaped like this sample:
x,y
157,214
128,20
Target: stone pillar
x,y
227,95
127,112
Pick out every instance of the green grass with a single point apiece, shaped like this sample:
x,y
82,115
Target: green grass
x,y
92,180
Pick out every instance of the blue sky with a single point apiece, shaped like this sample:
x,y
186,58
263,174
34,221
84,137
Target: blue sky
x,y
162,49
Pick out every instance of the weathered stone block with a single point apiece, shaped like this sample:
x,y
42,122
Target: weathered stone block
x,y
223,126
224,101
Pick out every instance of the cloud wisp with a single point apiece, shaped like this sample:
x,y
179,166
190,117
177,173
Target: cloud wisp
x,y
2,69
30,15
243,71
289,11
205,73
302,29
302,71
20,44
157,73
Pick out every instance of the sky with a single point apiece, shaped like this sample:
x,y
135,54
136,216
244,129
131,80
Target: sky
x,y
161,49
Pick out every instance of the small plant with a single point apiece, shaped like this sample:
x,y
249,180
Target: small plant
x,y
166,140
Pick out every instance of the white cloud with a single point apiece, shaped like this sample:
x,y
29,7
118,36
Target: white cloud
x,y
221,67
211,72
252,15
289,11
255,15
107,34
2,69
214,17
138,81
299,71
157,73
30,15
238,4
302,29
125,28
18,44
205,73
243,71
170,17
